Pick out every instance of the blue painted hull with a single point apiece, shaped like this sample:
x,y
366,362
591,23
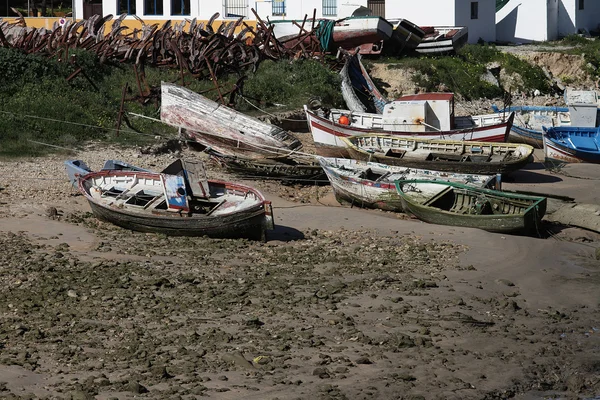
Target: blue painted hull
x,y
572,145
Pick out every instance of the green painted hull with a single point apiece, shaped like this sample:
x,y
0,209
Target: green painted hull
x,y
459,205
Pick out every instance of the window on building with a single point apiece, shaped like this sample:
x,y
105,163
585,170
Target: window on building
x,y
581,4
180,7
236,8
153,7
329,8
126,7
278,7
474,10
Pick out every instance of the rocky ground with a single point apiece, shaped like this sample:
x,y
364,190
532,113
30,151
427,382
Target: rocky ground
x,y
338,304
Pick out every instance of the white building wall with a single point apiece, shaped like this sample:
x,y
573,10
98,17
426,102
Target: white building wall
x,y
422,12
522,21
553,7
297,9
484,26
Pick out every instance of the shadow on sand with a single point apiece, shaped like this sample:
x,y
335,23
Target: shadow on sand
x,y
528,176
284,234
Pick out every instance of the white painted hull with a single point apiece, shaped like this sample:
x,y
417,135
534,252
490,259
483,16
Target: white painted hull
x,y
327,133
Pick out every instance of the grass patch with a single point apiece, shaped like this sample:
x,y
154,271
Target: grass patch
x,y
38,104
461,73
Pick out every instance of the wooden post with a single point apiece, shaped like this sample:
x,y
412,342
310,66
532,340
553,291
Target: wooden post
x,y
121,110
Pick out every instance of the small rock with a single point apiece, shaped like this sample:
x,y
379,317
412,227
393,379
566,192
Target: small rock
x,y
72,293
321,372
364,360
505,282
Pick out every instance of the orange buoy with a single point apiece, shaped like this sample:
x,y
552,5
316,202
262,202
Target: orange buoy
x,y
344,120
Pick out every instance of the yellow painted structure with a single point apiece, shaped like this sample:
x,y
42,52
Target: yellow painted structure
x,y
130,22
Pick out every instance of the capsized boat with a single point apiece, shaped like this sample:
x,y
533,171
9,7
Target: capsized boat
x,y
581,111
456,204
178,202
442,39
371,184
441,155
426,115
571,145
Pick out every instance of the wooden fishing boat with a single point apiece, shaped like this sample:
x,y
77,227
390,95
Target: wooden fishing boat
x,y
371,185
358,90
571,145
405,38
284,169
456,204
581,111
442,39
221,128
427,116
365,33
441,155
177,202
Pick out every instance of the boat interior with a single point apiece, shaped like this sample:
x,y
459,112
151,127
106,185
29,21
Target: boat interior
x,y
464,201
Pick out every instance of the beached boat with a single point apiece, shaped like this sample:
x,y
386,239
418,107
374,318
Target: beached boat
x,y
581,111
441,155
358,90
367,33
371,185
427,116
456,204
221,128
284,169
178,202
442,39
405,38
571,145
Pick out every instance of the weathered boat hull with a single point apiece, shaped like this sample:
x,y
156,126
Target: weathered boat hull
x,y
572,145
221,127
406,37
441,155
288,170
485,209
328,135
358,90
366,33
250,224
158,203
371,185
444,40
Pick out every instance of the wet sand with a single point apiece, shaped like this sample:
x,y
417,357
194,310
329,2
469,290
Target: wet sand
x,y
340,303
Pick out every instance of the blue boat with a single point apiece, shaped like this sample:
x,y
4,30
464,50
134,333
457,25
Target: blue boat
x,y
571,145
529,121
528,126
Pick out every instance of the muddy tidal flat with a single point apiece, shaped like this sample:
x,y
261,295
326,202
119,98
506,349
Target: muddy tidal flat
x,y
339,303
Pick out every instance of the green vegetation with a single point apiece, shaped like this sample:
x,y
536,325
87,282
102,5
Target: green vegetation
x,y
39,105
292,84
462,72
